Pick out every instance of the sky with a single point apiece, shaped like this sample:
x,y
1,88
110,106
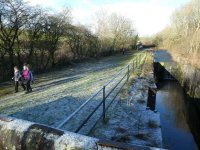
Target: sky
x,y
148,16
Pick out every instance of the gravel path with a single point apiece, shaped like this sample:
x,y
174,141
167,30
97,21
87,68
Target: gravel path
x,y
57,94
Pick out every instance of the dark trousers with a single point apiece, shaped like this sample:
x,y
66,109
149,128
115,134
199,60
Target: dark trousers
x,y
23,85
16,86
28,85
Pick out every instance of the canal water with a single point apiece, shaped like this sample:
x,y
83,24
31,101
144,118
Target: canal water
x,y
170,103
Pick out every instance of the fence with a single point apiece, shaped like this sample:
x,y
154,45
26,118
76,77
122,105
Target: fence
x,y
105,94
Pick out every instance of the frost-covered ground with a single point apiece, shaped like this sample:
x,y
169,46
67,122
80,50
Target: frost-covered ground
x,y
57,94
129,121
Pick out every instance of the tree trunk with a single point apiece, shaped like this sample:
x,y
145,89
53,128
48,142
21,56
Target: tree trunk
x,y
11,59
46,65
52,59
41,60
20,63
30,54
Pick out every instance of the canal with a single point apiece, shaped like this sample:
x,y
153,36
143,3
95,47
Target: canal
x,y
170,102
179,113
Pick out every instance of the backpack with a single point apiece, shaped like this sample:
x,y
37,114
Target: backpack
x,y
30,75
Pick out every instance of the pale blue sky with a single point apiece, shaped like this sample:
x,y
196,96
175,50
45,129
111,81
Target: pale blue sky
x,y
149,16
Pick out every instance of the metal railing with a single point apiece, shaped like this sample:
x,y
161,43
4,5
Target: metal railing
x,y
135,63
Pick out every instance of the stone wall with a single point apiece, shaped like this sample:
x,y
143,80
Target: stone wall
x,y
187,75
16,134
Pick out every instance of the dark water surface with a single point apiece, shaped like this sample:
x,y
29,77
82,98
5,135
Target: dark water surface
x,y
170,102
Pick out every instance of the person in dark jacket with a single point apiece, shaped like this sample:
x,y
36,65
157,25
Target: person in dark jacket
x,y
123,51
30,78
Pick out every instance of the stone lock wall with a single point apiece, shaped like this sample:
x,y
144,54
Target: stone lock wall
x,y
17,134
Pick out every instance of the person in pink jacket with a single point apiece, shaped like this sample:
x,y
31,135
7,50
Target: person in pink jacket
x,y
26,78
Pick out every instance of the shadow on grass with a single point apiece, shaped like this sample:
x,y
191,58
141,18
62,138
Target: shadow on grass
x,y
80,68
49,113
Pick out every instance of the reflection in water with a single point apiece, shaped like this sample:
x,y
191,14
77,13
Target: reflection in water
x,y
170,103
151,102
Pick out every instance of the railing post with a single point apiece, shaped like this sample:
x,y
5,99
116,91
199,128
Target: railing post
x,y
136,61
104,103
133,65
141,58
128,73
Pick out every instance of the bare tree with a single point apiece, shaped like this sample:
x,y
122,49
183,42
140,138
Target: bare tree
x,y
114,30
34,35
55,26
81,41
13,16
34,31
182,35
